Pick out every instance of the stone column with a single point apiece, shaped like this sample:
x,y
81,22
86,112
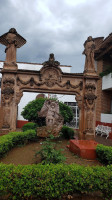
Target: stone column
x,y
79,100
9,94
89,110
9,101
89,90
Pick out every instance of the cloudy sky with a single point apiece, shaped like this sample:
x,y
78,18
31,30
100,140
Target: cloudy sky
x,y
55,26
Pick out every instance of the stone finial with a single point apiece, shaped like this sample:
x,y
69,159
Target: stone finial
x,y
51,62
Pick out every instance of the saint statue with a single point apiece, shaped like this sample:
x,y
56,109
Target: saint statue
x,y
89,46
11,46
12,40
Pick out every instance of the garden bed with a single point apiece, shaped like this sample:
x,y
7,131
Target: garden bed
x,y
62,180
24,155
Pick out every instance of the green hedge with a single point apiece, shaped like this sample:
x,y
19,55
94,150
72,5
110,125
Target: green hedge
x,y
53,181
13,139
67,132
29,126
104,154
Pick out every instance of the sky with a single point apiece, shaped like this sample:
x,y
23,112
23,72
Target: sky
x,y
55,26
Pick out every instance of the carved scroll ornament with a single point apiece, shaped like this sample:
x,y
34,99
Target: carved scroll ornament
x,y
19,94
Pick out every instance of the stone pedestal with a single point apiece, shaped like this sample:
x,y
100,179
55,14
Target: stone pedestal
x,y
45,131
83,148
10,66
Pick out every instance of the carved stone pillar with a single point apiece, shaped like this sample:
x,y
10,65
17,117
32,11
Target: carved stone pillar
x,y
89,111
9,101
7,94
13,112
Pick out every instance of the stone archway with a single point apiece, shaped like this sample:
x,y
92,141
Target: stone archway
x,y
49,79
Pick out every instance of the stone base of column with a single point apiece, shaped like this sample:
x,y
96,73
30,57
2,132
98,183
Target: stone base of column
x,y
88,135
90,73
10,66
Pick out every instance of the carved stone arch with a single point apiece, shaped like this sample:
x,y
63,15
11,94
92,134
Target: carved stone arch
x,y
50,79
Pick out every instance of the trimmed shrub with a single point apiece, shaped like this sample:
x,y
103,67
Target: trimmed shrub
x,y
104,154
29,126
53,181
13,139
67,132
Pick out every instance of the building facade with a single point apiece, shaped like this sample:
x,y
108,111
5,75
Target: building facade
x,y
103,57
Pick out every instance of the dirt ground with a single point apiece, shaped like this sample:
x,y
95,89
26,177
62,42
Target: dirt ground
x,y
24,155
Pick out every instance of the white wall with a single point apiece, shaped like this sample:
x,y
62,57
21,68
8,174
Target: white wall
x,y
107,118
107,82
36,66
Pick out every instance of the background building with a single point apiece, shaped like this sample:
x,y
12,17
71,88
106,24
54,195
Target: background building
x,y
103,57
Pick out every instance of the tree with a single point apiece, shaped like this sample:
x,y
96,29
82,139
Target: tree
x,y
30,111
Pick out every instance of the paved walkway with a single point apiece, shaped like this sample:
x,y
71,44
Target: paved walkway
x,y
103,140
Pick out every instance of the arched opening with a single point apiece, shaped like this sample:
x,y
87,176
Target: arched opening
x,y
66,99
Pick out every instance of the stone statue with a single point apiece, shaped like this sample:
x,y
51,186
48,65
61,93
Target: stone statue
x,y
12,40
54,121
11,46
89,46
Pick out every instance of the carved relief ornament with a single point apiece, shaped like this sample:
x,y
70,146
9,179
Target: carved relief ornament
x,y
50,83
90,106
7,91
50,75
90,96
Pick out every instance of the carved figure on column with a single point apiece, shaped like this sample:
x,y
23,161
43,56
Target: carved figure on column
x,y
12,40
7,98
89,46
90,107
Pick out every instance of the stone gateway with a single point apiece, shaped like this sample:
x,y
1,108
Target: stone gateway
x,y
50,79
